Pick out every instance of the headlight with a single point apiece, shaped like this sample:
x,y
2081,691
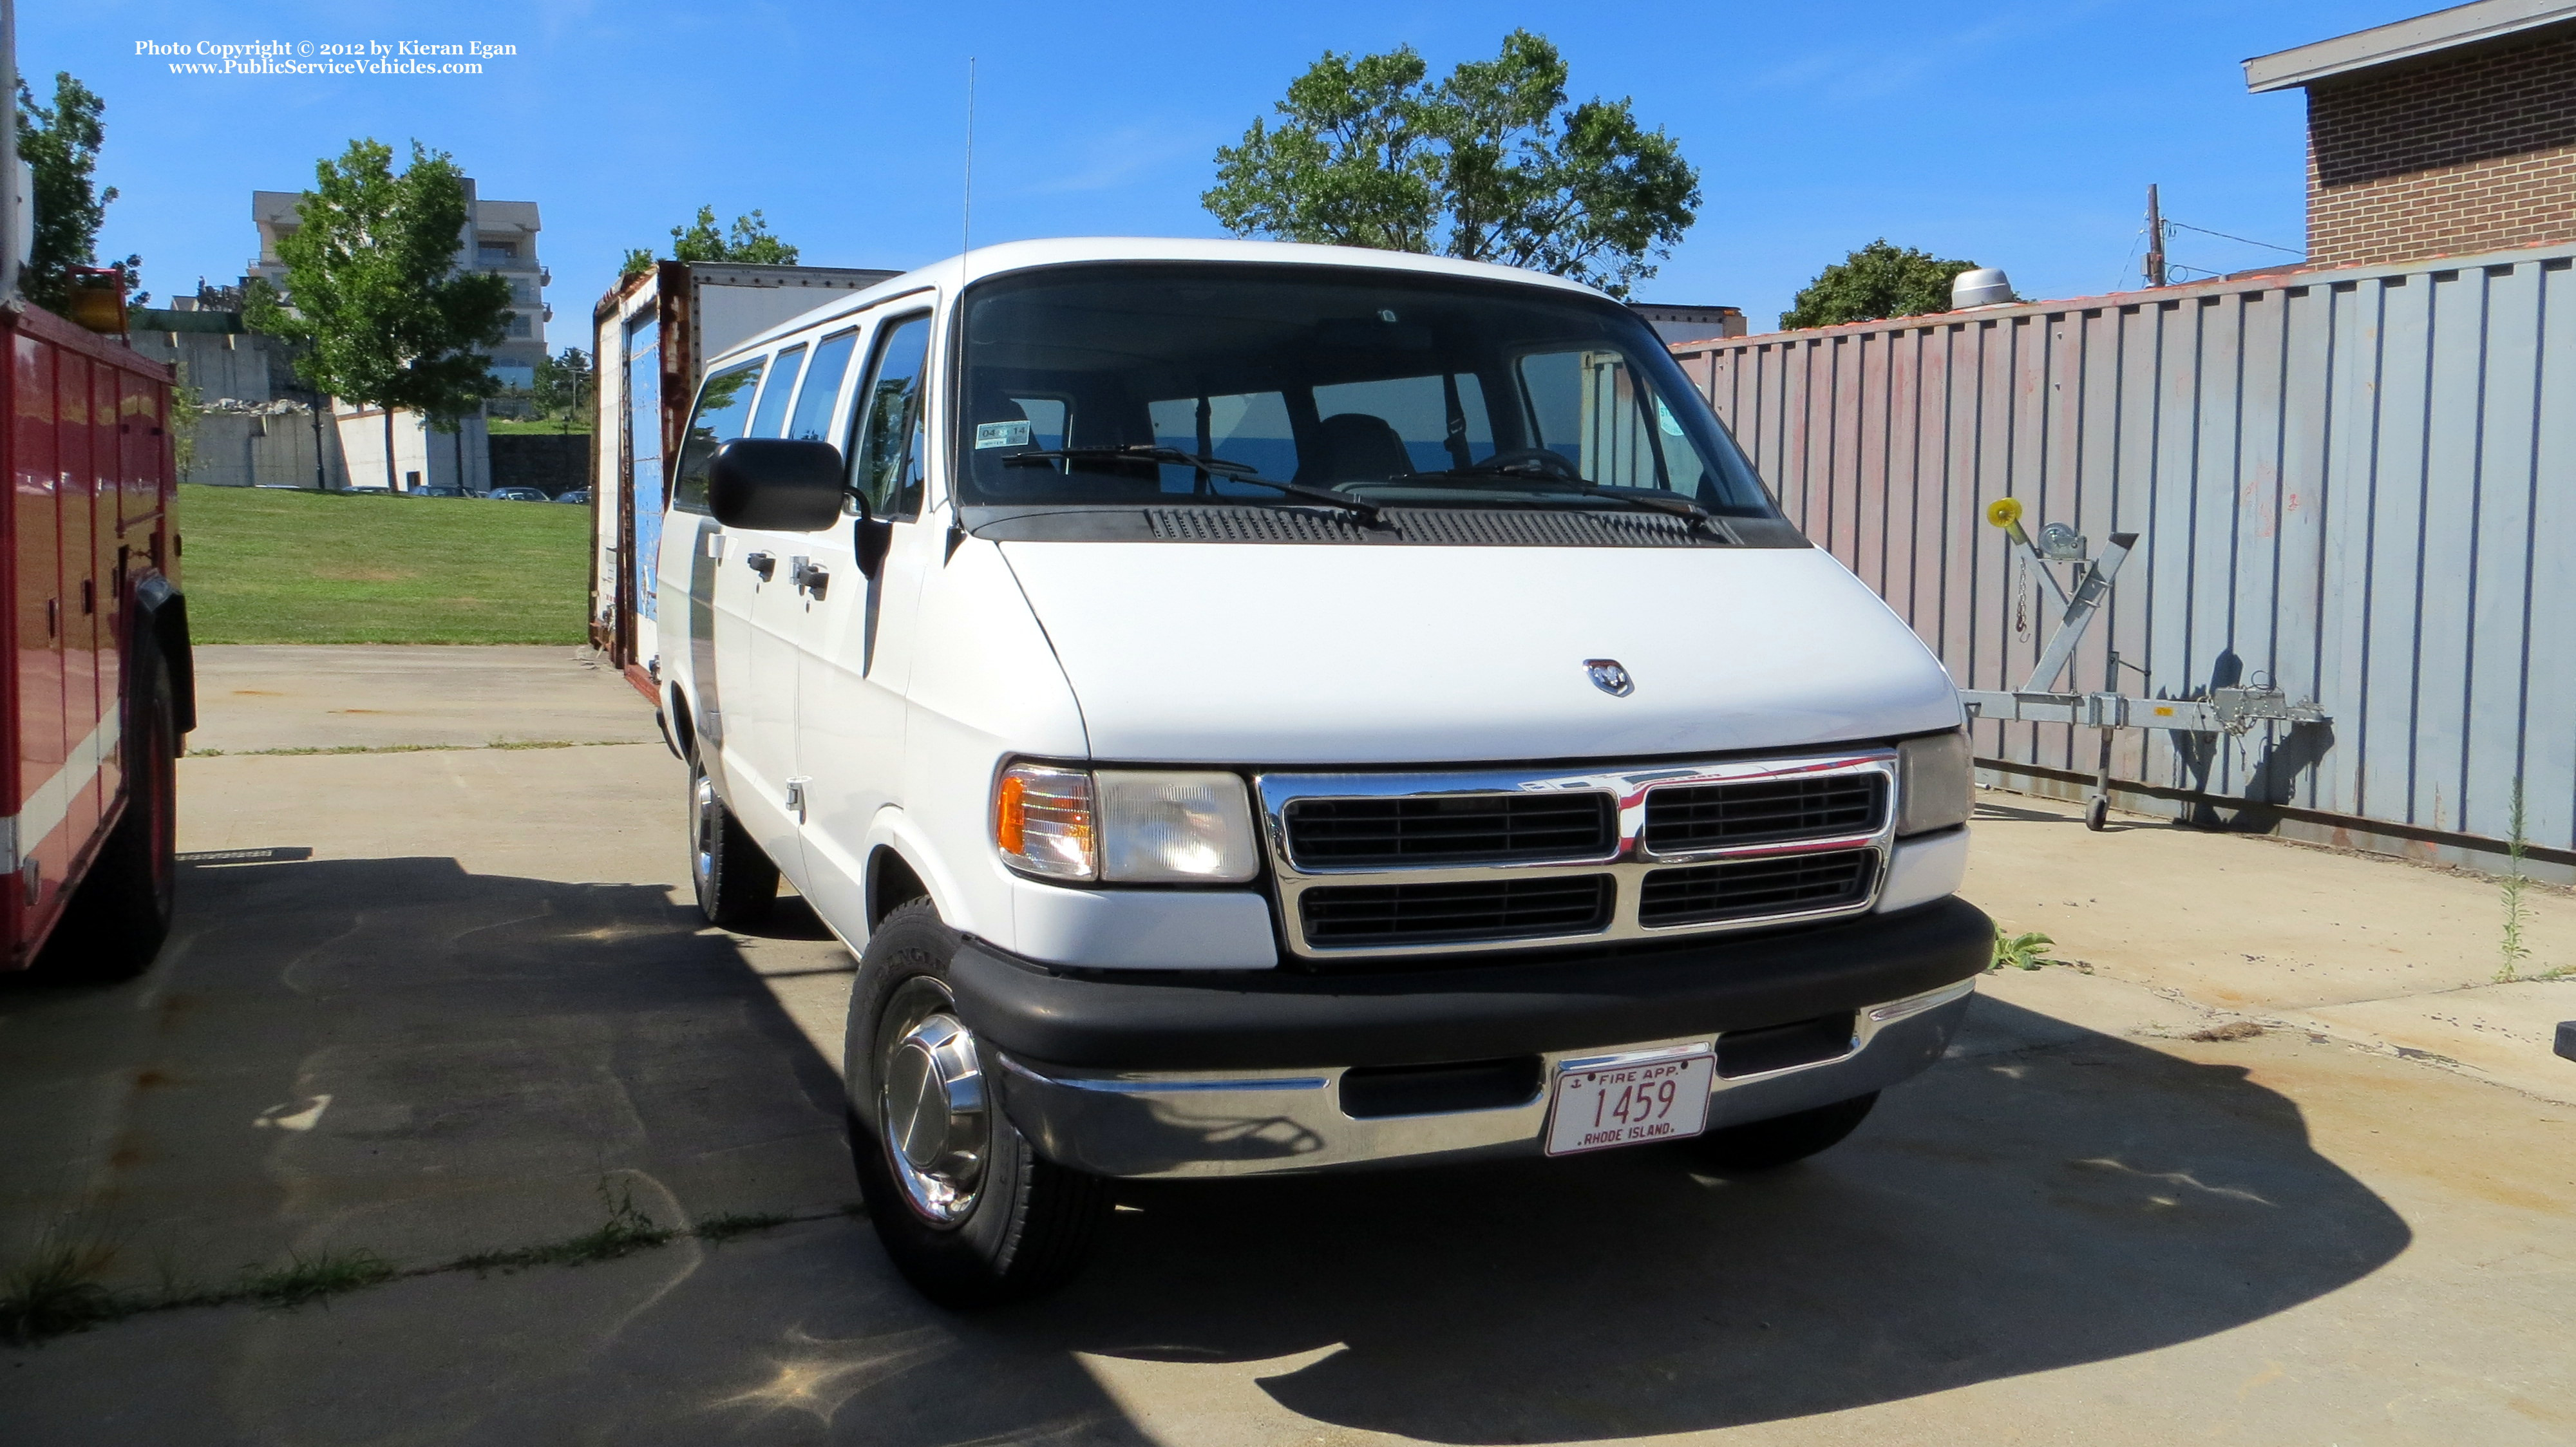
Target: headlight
x,y
1175,828
1125,826
1935,783
1042,822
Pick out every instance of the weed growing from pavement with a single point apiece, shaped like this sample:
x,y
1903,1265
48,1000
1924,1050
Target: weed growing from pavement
x,y
311,1278
2515,951
57,1288
625,1232
727,1226
2022,952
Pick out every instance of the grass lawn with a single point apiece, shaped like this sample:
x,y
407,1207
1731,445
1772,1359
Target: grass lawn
x,y
263,566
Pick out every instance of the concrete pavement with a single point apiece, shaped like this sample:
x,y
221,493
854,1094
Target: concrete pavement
x,y
433,1003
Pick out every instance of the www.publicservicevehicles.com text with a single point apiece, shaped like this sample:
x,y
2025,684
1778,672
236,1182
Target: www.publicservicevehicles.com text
x,y
325,57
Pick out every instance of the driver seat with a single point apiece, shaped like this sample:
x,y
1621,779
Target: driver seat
x,y
1356,447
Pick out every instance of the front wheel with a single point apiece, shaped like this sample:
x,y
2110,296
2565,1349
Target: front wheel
x,y
970,1214
735,883
1764,1145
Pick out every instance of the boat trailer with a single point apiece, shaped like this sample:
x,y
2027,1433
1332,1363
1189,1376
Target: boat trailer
x,y
2229,710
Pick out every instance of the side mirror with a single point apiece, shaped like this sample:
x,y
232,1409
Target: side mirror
x,y
776,485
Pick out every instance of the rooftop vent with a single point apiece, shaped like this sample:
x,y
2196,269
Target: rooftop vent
x,y
1984,286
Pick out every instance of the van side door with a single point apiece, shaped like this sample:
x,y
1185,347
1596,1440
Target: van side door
x,y
740,664
856,653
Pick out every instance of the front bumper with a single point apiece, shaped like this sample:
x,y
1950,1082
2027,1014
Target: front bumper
x,y
1170,1077
1186,1124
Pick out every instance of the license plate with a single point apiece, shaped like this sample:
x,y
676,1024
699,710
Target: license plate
x,y
1629,1103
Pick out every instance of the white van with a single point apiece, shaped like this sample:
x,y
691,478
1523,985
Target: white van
x,y
1261,707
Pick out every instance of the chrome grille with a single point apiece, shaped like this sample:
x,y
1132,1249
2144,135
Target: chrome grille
x,y
1686,818
1450,829
1489,909
1391,865
1768,885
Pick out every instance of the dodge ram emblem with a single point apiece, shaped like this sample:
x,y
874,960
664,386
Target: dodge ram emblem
x,y
1609,677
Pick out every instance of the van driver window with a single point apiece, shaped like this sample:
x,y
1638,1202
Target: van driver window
x,y
724,407
887,425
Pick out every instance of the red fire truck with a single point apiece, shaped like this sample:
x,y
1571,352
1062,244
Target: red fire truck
x,y
96,690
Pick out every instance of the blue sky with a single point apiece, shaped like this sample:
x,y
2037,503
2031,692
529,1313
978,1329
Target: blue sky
x,y
2019,135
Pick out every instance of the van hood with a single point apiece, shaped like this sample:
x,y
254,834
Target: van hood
x,y
1246,653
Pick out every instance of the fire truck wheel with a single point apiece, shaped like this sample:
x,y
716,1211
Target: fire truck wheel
x,y
117,919
736,883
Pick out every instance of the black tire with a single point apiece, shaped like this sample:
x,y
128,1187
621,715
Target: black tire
x,y
116,921
2097,814
1029,1224
736,883
1765,1145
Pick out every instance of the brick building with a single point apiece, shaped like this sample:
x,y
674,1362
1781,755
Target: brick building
x,y
2448,133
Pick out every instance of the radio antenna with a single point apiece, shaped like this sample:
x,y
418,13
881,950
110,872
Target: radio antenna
x,y
966,237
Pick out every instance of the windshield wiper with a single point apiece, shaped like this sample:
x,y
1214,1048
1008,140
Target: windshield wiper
x,y
1216,466
1650,500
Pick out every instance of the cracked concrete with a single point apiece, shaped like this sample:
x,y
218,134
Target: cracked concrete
x,y
430,1001
2382,955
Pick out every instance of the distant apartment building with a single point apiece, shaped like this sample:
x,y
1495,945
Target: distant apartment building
x,y
500,237
1677,324
2444,134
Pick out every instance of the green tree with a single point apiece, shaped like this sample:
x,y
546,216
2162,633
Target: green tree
x,y
1490,164
751,242
563,384
1875,282
60,144
373,293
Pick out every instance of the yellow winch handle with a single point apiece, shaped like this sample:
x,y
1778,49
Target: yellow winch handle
x,y
2004,512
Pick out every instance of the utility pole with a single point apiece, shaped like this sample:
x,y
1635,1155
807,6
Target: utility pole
x,y
2155,240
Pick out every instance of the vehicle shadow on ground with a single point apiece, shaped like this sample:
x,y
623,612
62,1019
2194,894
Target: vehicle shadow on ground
x,y
2046,1197
494,1048
400,1056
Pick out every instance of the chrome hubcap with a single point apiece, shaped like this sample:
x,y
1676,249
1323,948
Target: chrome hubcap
x,y
934,1111
710,819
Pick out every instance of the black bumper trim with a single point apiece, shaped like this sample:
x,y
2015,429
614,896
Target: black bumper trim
x,y
1288,1019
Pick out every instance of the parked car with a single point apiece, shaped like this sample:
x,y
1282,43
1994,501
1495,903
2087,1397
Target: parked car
x,y
517,494
436,492
580,495
1260,708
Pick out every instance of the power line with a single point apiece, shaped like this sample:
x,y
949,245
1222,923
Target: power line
x,y
2123,275
2223,236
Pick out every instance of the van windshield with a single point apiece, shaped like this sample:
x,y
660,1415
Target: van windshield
x,y
1410,391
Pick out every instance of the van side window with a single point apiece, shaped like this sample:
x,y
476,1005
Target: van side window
x,y
1440,421
772,415
1050,420
1590,410
888,426
1251,428
822,388
724,407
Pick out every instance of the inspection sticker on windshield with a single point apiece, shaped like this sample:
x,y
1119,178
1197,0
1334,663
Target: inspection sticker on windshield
x,y
1001,434
1631,1102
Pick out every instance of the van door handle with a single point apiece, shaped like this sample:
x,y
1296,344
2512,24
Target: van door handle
x,y
762,563
813,578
